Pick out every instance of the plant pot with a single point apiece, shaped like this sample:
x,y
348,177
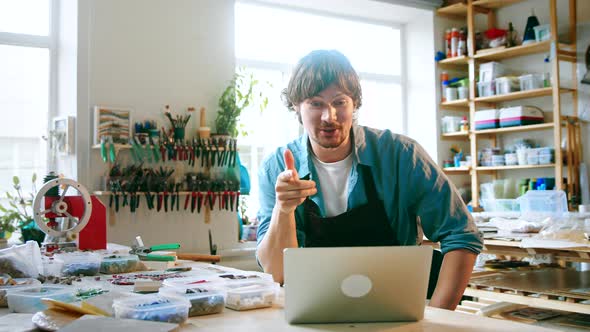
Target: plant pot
x,y
179,134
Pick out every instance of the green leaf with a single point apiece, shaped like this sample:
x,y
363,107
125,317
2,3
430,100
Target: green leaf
x,y
15,180
8,195
2,208
34,179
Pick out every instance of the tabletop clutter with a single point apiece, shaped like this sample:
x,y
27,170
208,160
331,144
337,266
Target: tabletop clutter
x,y
111,283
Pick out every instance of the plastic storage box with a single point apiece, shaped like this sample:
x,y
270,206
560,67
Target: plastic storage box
x,y
544,201
490,70
154,307
204,300
542,32
520,116
486,119
119,264
194,281
500,205
79,263
16,284
511,159
28,300
531,82
250,294
507,84
486,89
450,124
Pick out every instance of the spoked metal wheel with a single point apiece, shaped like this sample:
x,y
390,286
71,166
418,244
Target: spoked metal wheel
x,y
60,207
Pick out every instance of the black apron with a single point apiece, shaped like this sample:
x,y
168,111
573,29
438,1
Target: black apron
x,y
363,226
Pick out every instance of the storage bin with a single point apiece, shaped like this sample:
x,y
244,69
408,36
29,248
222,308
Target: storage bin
x,y
486,89
486,119
511,159
18,284
79,263
251,294
204,300
490,70
531,82
194,281
507,84
545,158
119,264
498,160
545,201
520,116
532,157
154,307
463,92
450,124
28,300
542,32
500,205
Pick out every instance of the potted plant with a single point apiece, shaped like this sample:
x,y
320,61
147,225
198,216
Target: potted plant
x,y
19,212
237,96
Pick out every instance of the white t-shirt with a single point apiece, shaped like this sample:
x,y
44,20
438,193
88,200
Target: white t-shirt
x,y
334,184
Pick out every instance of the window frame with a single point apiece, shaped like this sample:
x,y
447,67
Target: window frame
x,y
50,43
286,68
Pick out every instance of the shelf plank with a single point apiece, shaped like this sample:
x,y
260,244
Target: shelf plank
x,y
117,146
455,61
495,4
541,126
512,52
458,9
456,103
456,169
503,168
456,133
183,193
519,95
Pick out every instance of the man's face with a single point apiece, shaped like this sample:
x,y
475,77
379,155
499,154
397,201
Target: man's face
x,y
327,117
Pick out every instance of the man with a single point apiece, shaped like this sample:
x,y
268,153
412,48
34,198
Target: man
x,y
342,184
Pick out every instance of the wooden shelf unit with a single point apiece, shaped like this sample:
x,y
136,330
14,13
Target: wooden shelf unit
x,y
563,52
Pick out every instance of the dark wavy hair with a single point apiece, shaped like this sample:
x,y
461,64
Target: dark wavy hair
x,y
318,70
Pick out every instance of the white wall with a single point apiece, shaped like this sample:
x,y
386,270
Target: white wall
x,y
143,55
66,75
422,118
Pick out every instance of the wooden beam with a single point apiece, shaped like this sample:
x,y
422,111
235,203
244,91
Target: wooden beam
x,y
555,83
472,87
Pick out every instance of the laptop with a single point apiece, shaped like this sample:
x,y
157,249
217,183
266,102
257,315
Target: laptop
x,y
356,284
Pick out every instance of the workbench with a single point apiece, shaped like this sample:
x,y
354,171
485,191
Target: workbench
x,y
272,319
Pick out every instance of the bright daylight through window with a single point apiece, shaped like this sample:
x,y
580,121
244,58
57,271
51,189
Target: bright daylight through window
x,y
271,53
25,48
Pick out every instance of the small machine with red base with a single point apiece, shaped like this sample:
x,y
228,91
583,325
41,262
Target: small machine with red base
x,y
69,221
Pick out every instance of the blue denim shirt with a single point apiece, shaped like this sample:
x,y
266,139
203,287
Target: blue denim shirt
x,y
413,188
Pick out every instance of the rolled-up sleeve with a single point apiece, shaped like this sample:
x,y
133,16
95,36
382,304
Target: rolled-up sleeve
x,y
267,196
443,215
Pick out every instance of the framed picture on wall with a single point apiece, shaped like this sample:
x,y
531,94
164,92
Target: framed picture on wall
x,y
112,122
63,134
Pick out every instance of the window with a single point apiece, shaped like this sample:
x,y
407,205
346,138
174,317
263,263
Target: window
x,y
26,45
270,40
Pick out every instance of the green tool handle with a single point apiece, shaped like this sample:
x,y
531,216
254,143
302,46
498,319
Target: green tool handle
x,y
112,152
103,151
168,246
159,258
